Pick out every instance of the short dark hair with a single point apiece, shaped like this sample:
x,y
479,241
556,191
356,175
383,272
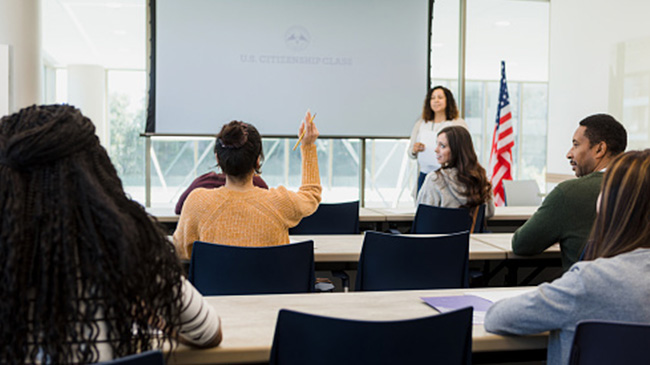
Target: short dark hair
x,y
604,128
238,147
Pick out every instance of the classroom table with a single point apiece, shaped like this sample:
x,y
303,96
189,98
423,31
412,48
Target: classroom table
x,y
249,322
493,250
346,248
167,215
550,258
505,218
500,213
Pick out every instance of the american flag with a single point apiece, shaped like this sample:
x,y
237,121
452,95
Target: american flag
x,y
502,142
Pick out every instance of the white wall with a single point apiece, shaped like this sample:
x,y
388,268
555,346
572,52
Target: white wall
x,y
86,91
20,29
584,75
4,79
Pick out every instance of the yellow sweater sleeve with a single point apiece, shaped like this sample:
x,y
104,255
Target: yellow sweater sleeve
x,y
293,206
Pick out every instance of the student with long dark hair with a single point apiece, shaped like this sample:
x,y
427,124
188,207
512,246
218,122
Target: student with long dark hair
x,y
612,284
461,181
439,111
86,274
239,213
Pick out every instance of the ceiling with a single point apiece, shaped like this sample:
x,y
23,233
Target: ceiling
x,y
112,33
98,32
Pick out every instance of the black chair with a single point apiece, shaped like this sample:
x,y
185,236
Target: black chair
x,y
398,262
608,342
337,218
223,270
432,220
153,357
440,339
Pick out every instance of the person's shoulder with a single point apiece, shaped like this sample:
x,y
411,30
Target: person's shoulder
x,y
640,255
208,180
443,174
201,194
459,121
434,176
419,122
589,182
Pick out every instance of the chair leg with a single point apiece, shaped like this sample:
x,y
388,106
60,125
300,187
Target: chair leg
x,y
345,279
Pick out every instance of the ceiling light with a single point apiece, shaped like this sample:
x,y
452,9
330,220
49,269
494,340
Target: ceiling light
x,y
119,32
502,23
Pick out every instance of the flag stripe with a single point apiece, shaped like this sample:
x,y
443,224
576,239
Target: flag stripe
x,y
503,141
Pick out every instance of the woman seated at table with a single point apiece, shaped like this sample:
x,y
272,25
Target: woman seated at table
x,y
86,274
239,213
612,284
461,181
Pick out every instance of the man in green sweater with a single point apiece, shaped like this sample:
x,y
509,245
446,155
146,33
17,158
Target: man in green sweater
x,y
568,212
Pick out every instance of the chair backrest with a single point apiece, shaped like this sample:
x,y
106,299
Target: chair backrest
x,y
480,226
337,218
398,262
222,270
521,193
607,342
153,357
440,339
434,220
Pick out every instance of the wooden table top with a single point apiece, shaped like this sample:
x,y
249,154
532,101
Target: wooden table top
x,y
347,248
503,241
167,215
249,321
500,213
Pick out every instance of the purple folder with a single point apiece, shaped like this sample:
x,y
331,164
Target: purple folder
x,y
450,303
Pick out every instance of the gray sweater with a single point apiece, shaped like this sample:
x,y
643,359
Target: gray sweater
x,y
444,190
612,289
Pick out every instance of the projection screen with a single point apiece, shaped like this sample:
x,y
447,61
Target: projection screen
x,y
361,65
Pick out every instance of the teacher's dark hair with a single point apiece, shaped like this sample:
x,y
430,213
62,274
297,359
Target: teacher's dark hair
x,y
238,147
77,254
622,222
470,172
451,111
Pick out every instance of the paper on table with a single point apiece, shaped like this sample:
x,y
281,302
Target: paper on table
x,y
496,295
446,304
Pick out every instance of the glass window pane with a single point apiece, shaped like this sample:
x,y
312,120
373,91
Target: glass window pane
x,y
126,115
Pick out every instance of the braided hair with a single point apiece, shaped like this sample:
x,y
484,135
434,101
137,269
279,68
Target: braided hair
x,y
80,260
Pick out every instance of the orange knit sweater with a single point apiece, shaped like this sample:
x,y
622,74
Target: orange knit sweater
x,y
256,217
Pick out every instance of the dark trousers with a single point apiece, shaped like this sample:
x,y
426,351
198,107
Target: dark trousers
x,y
421,180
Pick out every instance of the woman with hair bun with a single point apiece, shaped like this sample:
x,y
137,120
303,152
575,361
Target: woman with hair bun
x,y
86,274
239,213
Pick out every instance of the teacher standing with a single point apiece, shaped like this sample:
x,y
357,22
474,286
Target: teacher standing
x,y
439,111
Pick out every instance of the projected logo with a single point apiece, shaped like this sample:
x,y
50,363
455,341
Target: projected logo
x,y
297,38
